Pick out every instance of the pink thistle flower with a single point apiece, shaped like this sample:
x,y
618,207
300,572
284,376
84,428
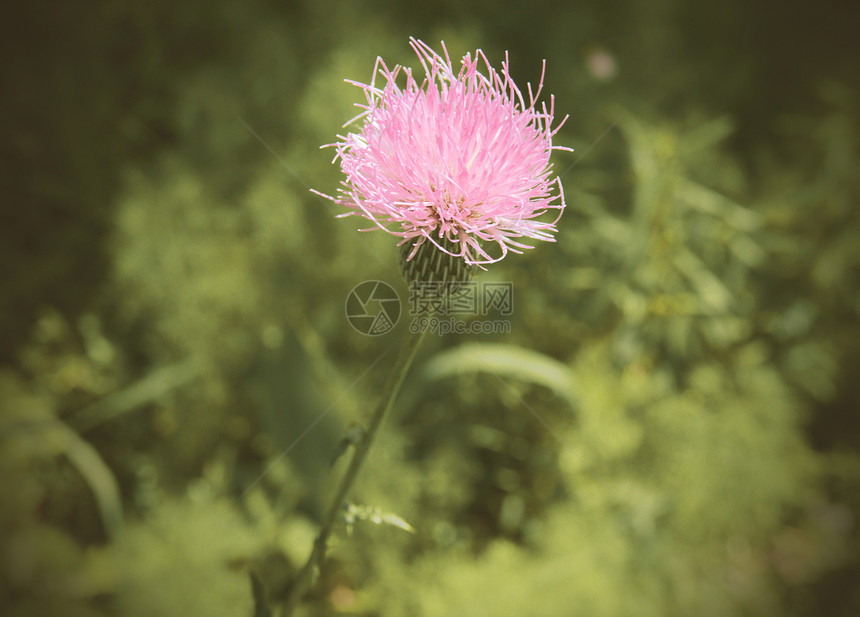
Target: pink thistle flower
x,y
458,157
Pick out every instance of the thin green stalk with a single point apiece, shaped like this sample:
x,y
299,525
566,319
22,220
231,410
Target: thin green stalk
x,y
305,576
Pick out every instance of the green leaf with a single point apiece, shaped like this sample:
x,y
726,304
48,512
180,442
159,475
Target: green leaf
x,y
375,515
502,360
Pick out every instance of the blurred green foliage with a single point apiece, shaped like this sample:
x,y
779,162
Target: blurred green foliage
x,y
670,428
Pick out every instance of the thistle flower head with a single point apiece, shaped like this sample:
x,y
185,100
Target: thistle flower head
x,y
459,159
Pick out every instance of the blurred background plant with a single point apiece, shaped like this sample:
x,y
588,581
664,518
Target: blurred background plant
x,y
670,427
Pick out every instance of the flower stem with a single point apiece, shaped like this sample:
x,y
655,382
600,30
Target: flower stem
x,y
304,578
